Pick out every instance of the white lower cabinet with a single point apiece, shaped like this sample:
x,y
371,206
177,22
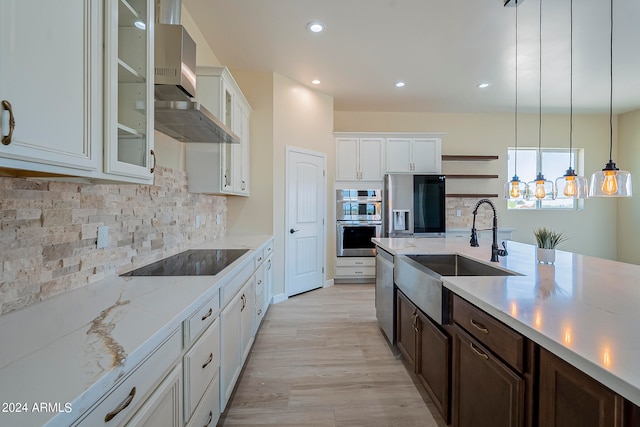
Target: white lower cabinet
x,y
207,413
118,406
236,337
201,365
168,390
164,407
355,268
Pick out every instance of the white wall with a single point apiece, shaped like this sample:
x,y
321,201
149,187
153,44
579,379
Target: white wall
x,y
302,118
629,209
254,214
591,231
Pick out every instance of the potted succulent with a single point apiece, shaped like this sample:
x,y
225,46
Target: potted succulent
x,y
547,240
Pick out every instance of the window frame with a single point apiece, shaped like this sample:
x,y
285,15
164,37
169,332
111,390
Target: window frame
x,y
544,205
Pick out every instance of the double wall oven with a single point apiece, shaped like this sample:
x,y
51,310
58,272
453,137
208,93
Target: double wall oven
x,y
358,220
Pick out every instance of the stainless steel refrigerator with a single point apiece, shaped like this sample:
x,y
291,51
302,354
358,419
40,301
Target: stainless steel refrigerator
x,y
413,205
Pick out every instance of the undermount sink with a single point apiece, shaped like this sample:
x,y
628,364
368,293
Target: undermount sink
x,y
457,265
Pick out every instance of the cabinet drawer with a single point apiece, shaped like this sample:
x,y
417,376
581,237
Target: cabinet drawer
x,y
502,340
260,283
208,411
120,403
356,262
260,257
205,315
232,288
355,271
201,364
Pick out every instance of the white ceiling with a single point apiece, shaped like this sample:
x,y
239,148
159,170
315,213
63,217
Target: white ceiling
x,y
441,48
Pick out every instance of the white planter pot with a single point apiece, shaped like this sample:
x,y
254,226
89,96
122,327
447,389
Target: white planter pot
x,y
546,256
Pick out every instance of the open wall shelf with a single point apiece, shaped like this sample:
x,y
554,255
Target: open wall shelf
x,y
466,158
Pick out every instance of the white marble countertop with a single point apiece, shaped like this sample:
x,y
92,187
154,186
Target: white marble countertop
x,y
586,310
50,353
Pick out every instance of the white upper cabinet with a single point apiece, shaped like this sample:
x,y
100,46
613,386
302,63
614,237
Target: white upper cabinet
x,y
359,159
129,89
226,167
50,85
414,155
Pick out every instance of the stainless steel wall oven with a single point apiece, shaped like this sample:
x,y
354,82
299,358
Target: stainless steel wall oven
x,y
358,219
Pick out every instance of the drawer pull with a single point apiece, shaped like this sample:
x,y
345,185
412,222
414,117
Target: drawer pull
x,y
120,407
6,139
209,360
479,326
244,302
210,419
259,259
209,313
259,312
478,351
259,282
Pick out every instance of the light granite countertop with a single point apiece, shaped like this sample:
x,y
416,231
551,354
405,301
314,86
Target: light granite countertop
x,y
585,310
72,348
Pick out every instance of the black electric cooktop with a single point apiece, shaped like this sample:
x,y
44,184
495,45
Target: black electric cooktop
x,y
194,262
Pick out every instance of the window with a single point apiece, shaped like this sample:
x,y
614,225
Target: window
x,y
553,163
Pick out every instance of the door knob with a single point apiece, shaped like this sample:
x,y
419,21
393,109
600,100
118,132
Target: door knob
x,y
293,231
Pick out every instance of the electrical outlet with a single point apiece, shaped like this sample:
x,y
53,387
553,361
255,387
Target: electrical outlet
x,y
197,221
458,212
103,237
218,219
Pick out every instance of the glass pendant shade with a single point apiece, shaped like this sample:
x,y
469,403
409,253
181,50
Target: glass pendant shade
x,y
571,186
610,182
515,189
541,188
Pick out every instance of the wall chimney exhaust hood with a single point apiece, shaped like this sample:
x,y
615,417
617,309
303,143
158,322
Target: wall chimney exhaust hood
x,y
177,112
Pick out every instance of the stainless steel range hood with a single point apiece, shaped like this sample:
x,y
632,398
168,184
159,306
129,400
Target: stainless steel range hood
x,y
177,111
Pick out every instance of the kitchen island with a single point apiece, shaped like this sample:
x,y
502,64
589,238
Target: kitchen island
x,y
62,357
582,309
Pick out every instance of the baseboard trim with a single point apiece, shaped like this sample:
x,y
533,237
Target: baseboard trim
x,y
278,298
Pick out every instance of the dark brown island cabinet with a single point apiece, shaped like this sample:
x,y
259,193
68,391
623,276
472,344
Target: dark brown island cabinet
x,y
570,398
427,349
493,370
479,372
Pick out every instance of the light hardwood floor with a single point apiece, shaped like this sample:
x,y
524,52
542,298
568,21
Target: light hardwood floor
x,y
320,359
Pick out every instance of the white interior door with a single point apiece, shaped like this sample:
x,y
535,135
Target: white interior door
x,y
305,229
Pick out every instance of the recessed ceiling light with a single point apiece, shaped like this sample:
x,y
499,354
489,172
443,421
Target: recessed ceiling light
x,y
484,85
315,27
315,81
400,84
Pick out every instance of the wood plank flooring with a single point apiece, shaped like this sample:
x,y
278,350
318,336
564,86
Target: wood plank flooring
x,y
320,359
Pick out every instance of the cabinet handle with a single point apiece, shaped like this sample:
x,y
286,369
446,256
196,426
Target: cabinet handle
x,y
244,302
209,313
478,351
259,281
6,139
120,407
210,419
259,259
209,360
479,326
153,156
259,312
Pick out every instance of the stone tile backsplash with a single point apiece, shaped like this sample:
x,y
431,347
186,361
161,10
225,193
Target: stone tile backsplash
x,y
48,231
484,218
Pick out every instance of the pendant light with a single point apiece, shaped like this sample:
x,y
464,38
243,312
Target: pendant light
x,y
515,189
610,181
570,185
542,189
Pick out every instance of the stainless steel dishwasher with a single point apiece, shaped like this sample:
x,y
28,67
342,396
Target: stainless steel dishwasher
x,y
385,302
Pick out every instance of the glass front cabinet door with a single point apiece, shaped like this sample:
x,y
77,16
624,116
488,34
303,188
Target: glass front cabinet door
x,y
129,89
